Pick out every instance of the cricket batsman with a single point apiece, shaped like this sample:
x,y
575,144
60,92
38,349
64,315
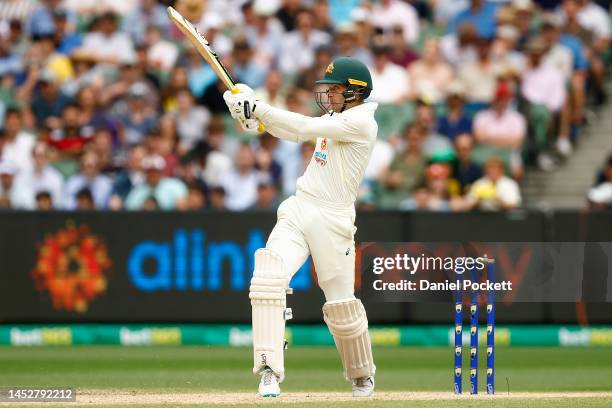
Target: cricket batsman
x,y
318,221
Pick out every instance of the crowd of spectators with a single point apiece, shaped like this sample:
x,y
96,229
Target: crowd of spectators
x,y
105,105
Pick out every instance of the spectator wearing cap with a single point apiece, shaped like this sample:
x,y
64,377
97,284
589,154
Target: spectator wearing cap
x,y
481,14
465,171
400,54
147,13
86,73
441,188
263,31
240,183
430,75
455,121
480,77
600,195
42,177
245,70
12,195
500,131
406,170
543,89
140,117
298,46
390,81
524,14
191,121
494,191
346,44
388,13
105,43
47,99
166,191
504,50
18,143
89,177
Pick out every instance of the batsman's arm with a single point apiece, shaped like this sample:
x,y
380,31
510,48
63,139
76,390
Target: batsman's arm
x,y
299,128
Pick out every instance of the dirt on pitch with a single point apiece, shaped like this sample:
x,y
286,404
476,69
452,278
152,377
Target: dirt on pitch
x,y
140,397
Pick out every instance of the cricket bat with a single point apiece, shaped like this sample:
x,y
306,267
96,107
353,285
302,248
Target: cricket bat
x,y
203,47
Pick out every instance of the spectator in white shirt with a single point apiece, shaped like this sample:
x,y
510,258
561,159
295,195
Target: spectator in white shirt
x,y
191,121
430,75
388,13
495,191
42,177
298,46
18,143
543,89
106,44
90,178
390,81
11,194
500,131
161,54
264,33
480,77
240,183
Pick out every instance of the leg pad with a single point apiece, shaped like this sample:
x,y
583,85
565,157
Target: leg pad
x,y
348,323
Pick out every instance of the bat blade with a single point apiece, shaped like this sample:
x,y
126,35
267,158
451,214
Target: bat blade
x,y
201,44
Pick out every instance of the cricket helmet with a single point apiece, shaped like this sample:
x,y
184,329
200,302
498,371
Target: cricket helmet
x,y
349,72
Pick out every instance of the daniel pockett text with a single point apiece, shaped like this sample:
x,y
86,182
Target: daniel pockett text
x,y
408,264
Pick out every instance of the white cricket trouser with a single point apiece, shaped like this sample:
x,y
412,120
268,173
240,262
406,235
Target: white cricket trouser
x,y
308,226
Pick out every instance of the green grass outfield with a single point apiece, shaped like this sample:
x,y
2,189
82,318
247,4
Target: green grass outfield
x,y
185,369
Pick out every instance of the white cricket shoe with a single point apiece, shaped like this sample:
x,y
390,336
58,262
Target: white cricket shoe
x,y
268,385
363,387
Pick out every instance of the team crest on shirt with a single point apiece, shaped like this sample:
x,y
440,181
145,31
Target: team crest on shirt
x,y
320,154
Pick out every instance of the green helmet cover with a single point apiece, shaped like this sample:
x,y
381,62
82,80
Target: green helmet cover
x,y
347,71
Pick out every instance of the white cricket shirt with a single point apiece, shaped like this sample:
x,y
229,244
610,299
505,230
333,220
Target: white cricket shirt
x,y
344,146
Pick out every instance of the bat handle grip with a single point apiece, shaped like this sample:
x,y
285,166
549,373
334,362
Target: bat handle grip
x,y
260,126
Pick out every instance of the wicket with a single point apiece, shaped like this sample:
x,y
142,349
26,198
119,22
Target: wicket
x,y
458,354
